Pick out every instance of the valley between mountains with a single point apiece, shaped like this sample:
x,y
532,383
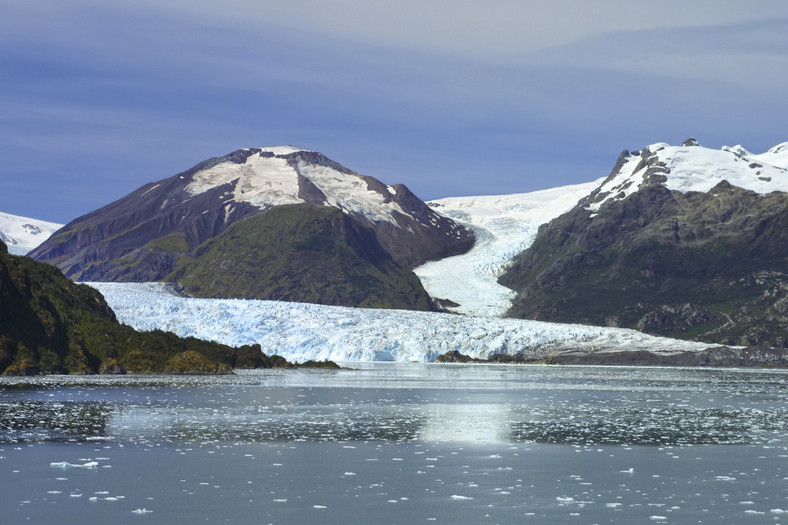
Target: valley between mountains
x,y
678,249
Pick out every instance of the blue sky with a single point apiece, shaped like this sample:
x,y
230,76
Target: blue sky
x,y
450,98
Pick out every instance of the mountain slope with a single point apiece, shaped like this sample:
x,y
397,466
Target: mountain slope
x,y
141,236
668,245
48,324
303,253
21,234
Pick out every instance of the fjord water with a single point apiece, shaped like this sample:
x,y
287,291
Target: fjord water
x,y
398,443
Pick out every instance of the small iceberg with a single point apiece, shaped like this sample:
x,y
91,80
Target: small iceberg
x,y
66,464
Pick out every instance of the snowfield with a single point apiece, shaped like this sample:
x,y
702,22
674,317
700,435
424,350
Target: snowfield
x,y
504,226
22,234
300,332
695,168
264,181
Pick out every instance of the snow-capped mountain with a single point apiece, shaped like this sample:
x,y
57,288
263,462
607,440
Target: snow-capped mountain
x,y
505,225
145,235
678,240
21,234
682,241
300,332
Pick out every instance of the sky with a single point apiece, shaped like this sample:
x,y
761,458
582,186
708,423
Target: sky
x,y
450,98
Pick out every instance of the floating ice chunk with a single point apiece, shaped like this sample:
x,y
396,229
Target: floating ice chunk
x,y
141,511
458,497
66,464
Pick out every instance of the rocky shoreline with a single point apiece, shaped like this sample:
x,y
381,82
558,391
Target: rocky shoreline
x,y
720,356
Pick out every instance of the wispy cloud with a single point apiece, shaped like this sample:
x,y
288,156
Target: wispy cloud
x,y
447,97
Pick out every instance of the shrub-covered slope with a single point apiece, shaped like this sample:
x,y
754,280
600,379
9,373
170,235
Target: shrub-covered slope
x,y
50,325
301,253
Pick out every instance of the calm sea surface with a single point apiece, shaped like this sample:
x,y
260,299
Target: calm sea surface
x,y
398,443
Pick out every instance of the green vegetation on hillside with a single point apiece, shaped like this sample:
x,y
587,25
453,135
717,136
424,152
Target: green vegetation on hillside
x,y
50,325
303,253
707,266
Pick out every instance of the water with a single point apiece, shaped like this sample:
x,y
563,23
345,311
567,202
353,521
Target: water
x,y
398,443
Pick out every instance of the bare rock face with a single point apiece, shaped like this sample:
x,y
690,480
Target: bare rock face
x,y
143,236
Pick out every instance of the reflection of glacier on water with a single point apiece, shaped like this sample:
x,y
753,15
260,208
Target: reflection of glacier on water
x,y
466,423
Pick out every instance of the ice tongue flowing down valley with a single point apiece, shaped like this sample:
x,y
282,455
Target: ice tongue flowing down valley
x,y
504,226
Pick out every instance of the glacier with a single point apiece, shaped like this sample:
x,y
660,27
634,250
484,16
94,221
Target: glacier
x,y
300,331
504,226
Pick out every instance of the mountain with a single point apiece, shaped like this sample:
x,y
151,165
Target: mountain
x,y
21,234
681,241
145,235
51,325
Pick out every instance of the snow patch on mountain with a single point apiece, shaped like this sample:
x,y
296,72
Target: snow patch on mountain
x,y
695,168
352,193
504,226
776,156
261,181
264,181
21,234
299,331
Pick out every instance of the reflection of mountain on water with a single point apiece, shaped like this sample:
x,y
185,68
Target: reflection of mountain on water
x,y
27,421
658,425
254,424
